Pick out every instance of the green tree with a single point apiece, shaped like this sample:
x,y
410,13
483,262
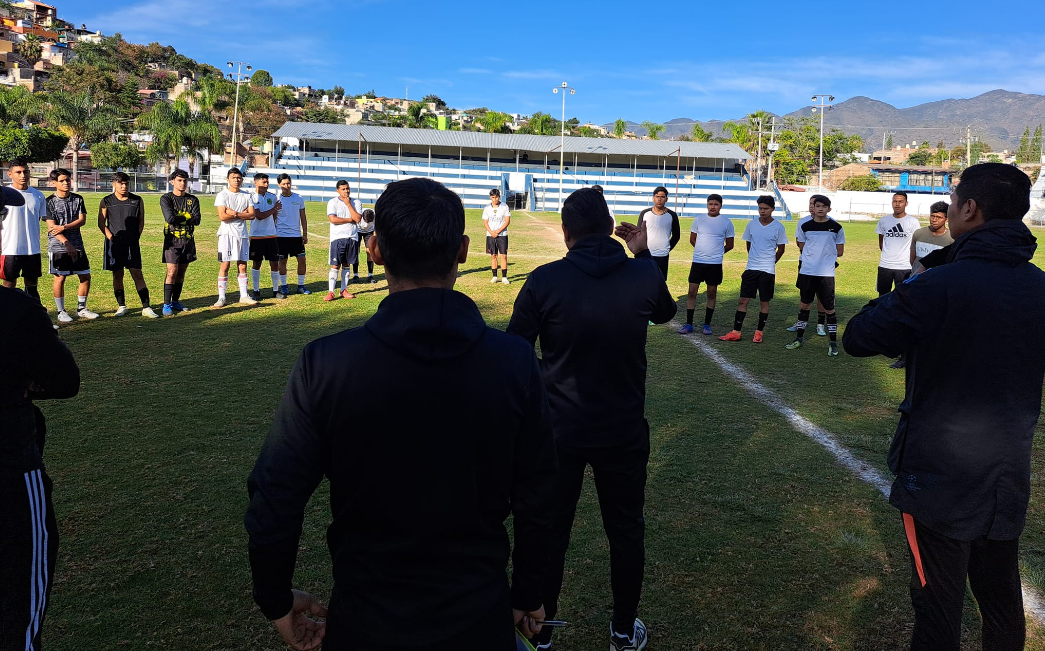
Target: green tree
x,y
79,77
20,104
924,145
700,134
740,134
321,116
338,91
541,124
177,127
116,155
83,119
1023,152
588,132
920,157
282,96
261,78
495,122
869,183
620,127
889,142
130,101
34,143
653,129
418,117
1035,145
434,99
940,145
30,48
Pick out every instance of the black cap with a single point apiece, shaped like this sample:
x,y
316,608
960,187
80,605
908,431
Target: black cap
x,y
10,197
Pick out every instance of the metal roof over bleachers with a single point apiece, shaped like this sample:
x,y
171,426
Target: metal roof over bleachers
x,y
508,141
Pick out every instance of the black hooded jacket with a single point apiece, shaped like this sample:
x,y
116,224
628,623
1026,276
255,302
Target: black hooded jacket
x,y
591,311
975,362
451,439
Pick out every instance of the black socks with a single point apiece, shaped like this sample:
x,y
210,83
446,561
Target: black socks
x,y
738,321
143,294
832,327
121,297
762,317
803,321
708,312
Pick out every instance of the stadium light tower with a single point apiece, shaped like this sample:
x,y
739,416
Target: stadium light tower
x,y
824,106
238,76
562,135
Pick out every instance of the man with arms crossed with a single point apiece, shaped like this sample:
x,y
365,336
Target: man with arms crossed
x,y
662,229
894,241
263,245
821,241
235,209
711,237
121,219
181,216
496,218
291,233
420,487
66,213
20,249
344,214
766,239
962,450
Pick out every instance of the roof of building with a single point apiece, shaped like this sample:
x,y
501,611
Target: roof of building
x,y
907,168
521,142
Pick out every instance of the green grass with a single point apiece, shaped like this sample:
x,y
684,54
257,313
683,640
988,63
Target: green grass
x,y
756,539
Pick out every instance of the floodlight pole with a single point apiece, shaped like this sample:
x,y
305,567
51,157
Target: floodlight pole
x,y
824,106
562,134
678,171
238,76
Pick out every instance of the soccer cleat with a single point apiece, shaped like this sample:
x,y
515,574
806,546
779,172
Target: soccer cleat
x,y
706,329
120,311
256,295
149,313
821,330
54,325
494,279
167,310
373,281
504,279
219,303
686,329
793,328
833,350
178,307
63,317
636,642
279,295
797,343
87,314
245,299
283,289
330,296
732,335
899,363
757,339
303,290
347,294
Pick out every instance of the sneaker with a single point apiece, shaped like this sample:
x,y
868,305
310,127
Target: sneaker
x,y
120,311
636,642
219,303
494,279
256,295
833,350
283,289
54,325
505,280
797,343
168,310
732,335
373,281
757,339
247,300
821,330
280,295
63,317
178,307
330,296
706,329
87,314
148,312
346,294
686,329
303,290
793,328
354,278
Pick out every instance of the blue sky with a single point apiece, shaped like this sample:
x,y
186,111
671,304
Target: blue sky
x,y
641,62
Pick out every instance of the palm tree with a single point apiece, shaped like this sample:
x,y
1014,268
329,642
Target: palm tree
x,y
739,134
541,124
178,127
201,135
653,129
620,127
418,117
495,122
700,134
81,118
30,49
19,104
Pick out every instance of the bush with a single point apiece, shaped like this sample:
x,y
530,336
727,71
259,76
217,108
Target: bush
x,y
116,155
868,183
36,144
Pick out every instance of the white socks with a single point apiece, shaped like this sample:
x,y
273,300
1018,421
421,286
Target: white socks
x,y
301,279
242,285
60,303
275,280
223,283
282,280
255,277
346,273
332,279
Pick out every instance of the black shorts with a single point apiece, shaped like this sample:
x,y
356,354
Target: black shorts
x,y
662,264
264,249
813,287
497,245
178,251
121,253
890,278
760,282
710,274
26,266
290,247
364,238
344,252
63,264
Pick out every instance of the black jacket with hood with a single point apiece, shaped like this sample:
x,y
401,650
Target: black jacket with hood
x,y
591,311
975,363
452,438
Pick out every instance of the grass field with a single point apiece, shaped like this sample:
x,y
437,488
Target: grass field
x,y
756,538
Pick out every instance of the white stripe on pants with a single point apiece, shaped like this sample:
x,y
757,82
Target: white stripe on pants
x,y
38,510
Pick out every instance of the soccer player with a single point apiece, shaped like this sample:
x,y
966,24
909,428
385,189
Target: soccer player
x,y
662,229
344,214
291,233
65,251
20,249
933,237
711,237
366,230
894,241
496,218
121,219
235,209
181,216
821,315
821,241
263,245
766,240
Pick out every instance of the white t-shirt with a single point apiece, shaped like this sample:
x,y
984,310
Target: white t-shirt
x,y
288,219
237,201
764,241
712,233
263,228
658,231
820,246
338,208
21,234
896,241
496,217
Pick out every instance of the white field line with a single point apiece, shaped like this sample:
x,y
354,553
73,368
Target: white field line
x,y
1033,604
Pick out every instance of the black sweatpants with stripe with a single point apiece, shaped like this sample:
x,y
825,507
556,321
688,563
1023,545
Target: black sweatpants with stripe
x,y
939,568
28,551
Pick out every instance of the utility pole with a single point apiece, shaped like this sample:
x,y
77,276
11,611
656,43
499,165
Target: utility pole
x,y
773,146
824,106
239,75
968,145
562,135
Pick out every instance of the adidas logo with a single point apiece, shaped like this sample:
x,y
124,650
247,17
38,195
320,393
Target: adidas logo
x,y
896,231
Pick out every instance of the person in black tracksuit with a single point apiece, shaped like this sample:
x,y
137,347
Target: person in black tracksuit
x,y
422,481
591,311
34,365
962,450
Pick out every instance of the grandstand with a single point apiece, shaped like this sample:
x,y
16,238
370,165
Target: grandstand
x,y
524,167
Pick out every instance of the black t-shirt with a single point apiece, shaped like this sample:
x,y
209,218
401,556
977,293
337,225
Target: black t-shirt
x,y
181,215
123,218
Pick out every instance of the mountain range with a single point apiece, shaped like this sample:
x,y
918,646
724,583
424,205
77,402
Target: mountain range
x,y
997,117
